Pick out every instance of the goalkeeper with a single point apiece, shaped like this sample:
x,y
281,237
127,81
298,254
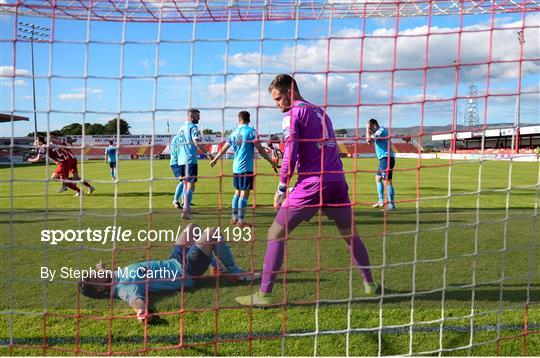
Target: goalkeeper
x,y
311,148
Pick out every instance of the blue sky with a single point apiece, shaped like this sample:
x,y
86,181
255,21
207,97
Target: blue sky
x,y
147,104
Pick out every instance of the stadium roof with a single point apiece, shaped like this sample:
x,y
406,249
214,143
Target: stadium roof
x,y
8,118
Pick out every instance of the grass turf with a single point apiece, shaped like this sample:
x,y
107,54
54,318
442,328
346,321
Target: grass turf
x,y
486,259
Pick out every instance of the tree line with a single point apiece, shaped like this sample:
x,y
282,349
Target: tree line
x,y
109,128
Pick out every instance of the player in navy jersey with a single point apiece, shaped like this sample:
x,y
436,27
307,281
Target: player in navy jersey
x,y
243,140
383,149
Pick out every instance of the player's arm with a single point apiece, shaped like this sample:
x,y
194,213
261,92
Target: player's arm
x,y
368,134
196,136
139,306
38,157
173,149
290,157
202,148
375,135
262,152
220,153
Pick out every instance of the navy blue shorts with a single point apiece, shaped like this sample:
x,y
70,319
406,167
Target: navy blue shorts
x,y
179,171
193,260
384,170
112,165
243,181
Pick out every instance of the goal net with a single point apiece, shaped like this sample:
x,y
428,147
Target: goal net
x,y
455,84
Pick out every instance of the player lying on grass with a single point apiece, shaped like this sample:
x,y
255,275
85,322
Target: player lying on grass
x,y
383,149
311,148
66,164
184,161
243,140
110,158
189,260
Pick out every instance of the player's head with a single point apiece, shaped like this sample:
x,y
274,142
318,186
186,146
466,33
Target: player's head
x,y
284,90
40,140
243,117
96,287
373,124
194,115
111,142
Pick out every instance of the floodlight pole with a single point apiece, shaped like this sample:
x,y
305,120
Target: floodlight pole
x,y
30,32
517,110
33,87
453,140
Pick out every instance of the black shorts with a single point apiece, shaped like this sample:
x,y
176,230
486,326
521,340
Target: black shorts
x,y
112,165
243,181
193,260
179,171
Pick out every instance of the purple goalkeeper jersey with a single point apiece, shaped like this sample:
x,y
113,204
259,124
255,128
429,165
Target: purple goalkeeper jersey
x,y
303,133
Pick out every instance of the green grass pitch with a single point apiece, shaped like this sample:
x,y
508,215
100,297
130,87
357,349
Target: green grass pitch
x,y
487,259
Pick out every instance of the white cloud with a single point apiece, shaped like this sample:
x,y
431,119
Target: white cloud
x,y
378,53
78,94
344,55
7,73
5,82
149,64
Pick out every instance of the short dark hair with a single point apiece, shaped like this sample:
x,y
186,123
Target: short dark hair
x,y
244,116
193,110
373,122
111,142
90,287
41,138
282,83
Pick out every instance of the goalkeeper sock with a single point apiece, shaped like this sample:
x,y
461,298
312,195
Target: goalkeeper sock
x,y
360,257
242,204
390,192
380,191
179,191
275,250
235,206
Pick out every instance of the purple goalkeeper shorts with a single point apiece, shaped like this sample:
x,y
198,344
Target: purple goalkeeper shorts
x,y
304,201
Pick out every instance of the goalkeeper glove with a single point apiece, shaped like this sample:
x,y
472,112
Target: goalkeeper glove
x,y
279,196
